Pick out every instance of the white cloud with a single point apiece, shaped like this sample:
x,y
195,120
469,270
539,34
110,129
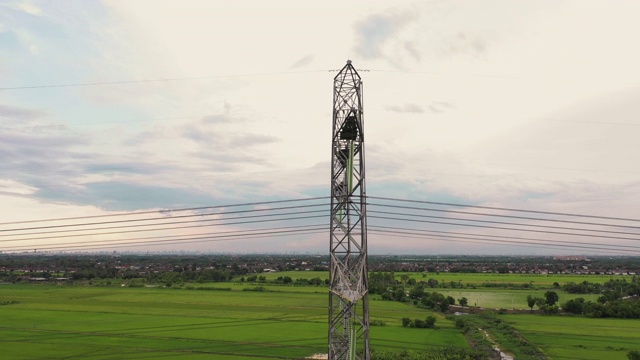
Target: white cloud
x,y
12,187
376,30
29,8
303,61
502,102
406,108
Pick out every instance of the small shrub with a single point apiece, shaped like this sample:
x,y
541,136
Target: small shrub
x,y
257,288
430,321
420,324
406,322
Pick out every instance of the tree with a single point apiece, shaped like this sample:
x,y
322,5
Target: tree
x,y
450,300
463,301
574,306
531,301
430,321
404,278
416,292
633,355
551,298
406,322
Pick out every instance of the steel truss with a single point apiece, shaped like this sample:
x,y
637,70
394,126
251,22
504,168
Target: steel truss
x,y
348,293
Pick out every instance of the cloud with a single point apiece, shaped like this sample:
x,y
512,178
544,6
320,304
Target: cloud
x,y
406,108
375,31
227,139
216,119
435,107
29,8
233,139
438,107
231,151
11,187
36,146
124,196
55,171
303,61
227,116
464,43
17,114
412,49
41,157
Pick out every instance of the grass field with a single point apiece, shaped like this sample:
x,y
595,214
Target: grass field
x,y
60,322
537,280
564,337
492,298
283,321
488,297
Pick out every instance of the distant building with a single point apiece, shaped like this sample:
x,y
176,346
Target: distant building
x,y
571,258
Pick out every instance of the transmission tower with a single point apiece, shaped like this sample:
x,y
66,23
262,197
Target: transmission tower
x,y
348,293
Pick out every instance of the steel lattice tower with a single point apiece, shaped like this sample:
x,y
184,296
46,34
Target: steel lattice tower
x,y
348,293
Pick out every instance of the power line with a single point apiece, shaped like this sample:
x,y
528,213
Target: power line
x,y
120,82
240,75
161,238
158,229
305,229
162,211
167,222
61,125
505,228
503,216
189,240
304,212
507,243
168,211
160,226
504,209
504,223
491,237
186,78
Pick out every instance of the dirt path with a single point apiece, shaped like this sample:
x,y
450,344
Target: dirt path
x,y
503,355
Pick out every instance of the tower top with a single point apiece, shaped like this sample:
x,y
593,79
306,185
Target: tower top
x,y
348,62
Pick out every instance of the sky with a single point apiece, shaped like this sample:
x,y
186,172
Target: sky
x,y
121,106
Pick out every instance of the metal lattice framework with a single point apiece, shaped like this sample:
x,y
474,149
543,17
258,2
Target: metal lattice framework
x,y
348,293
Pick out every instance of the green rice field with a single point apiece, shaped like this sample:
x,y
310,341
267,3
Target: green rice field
x,y
568,338
223,321
64,322
505,299
538,280
487,297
